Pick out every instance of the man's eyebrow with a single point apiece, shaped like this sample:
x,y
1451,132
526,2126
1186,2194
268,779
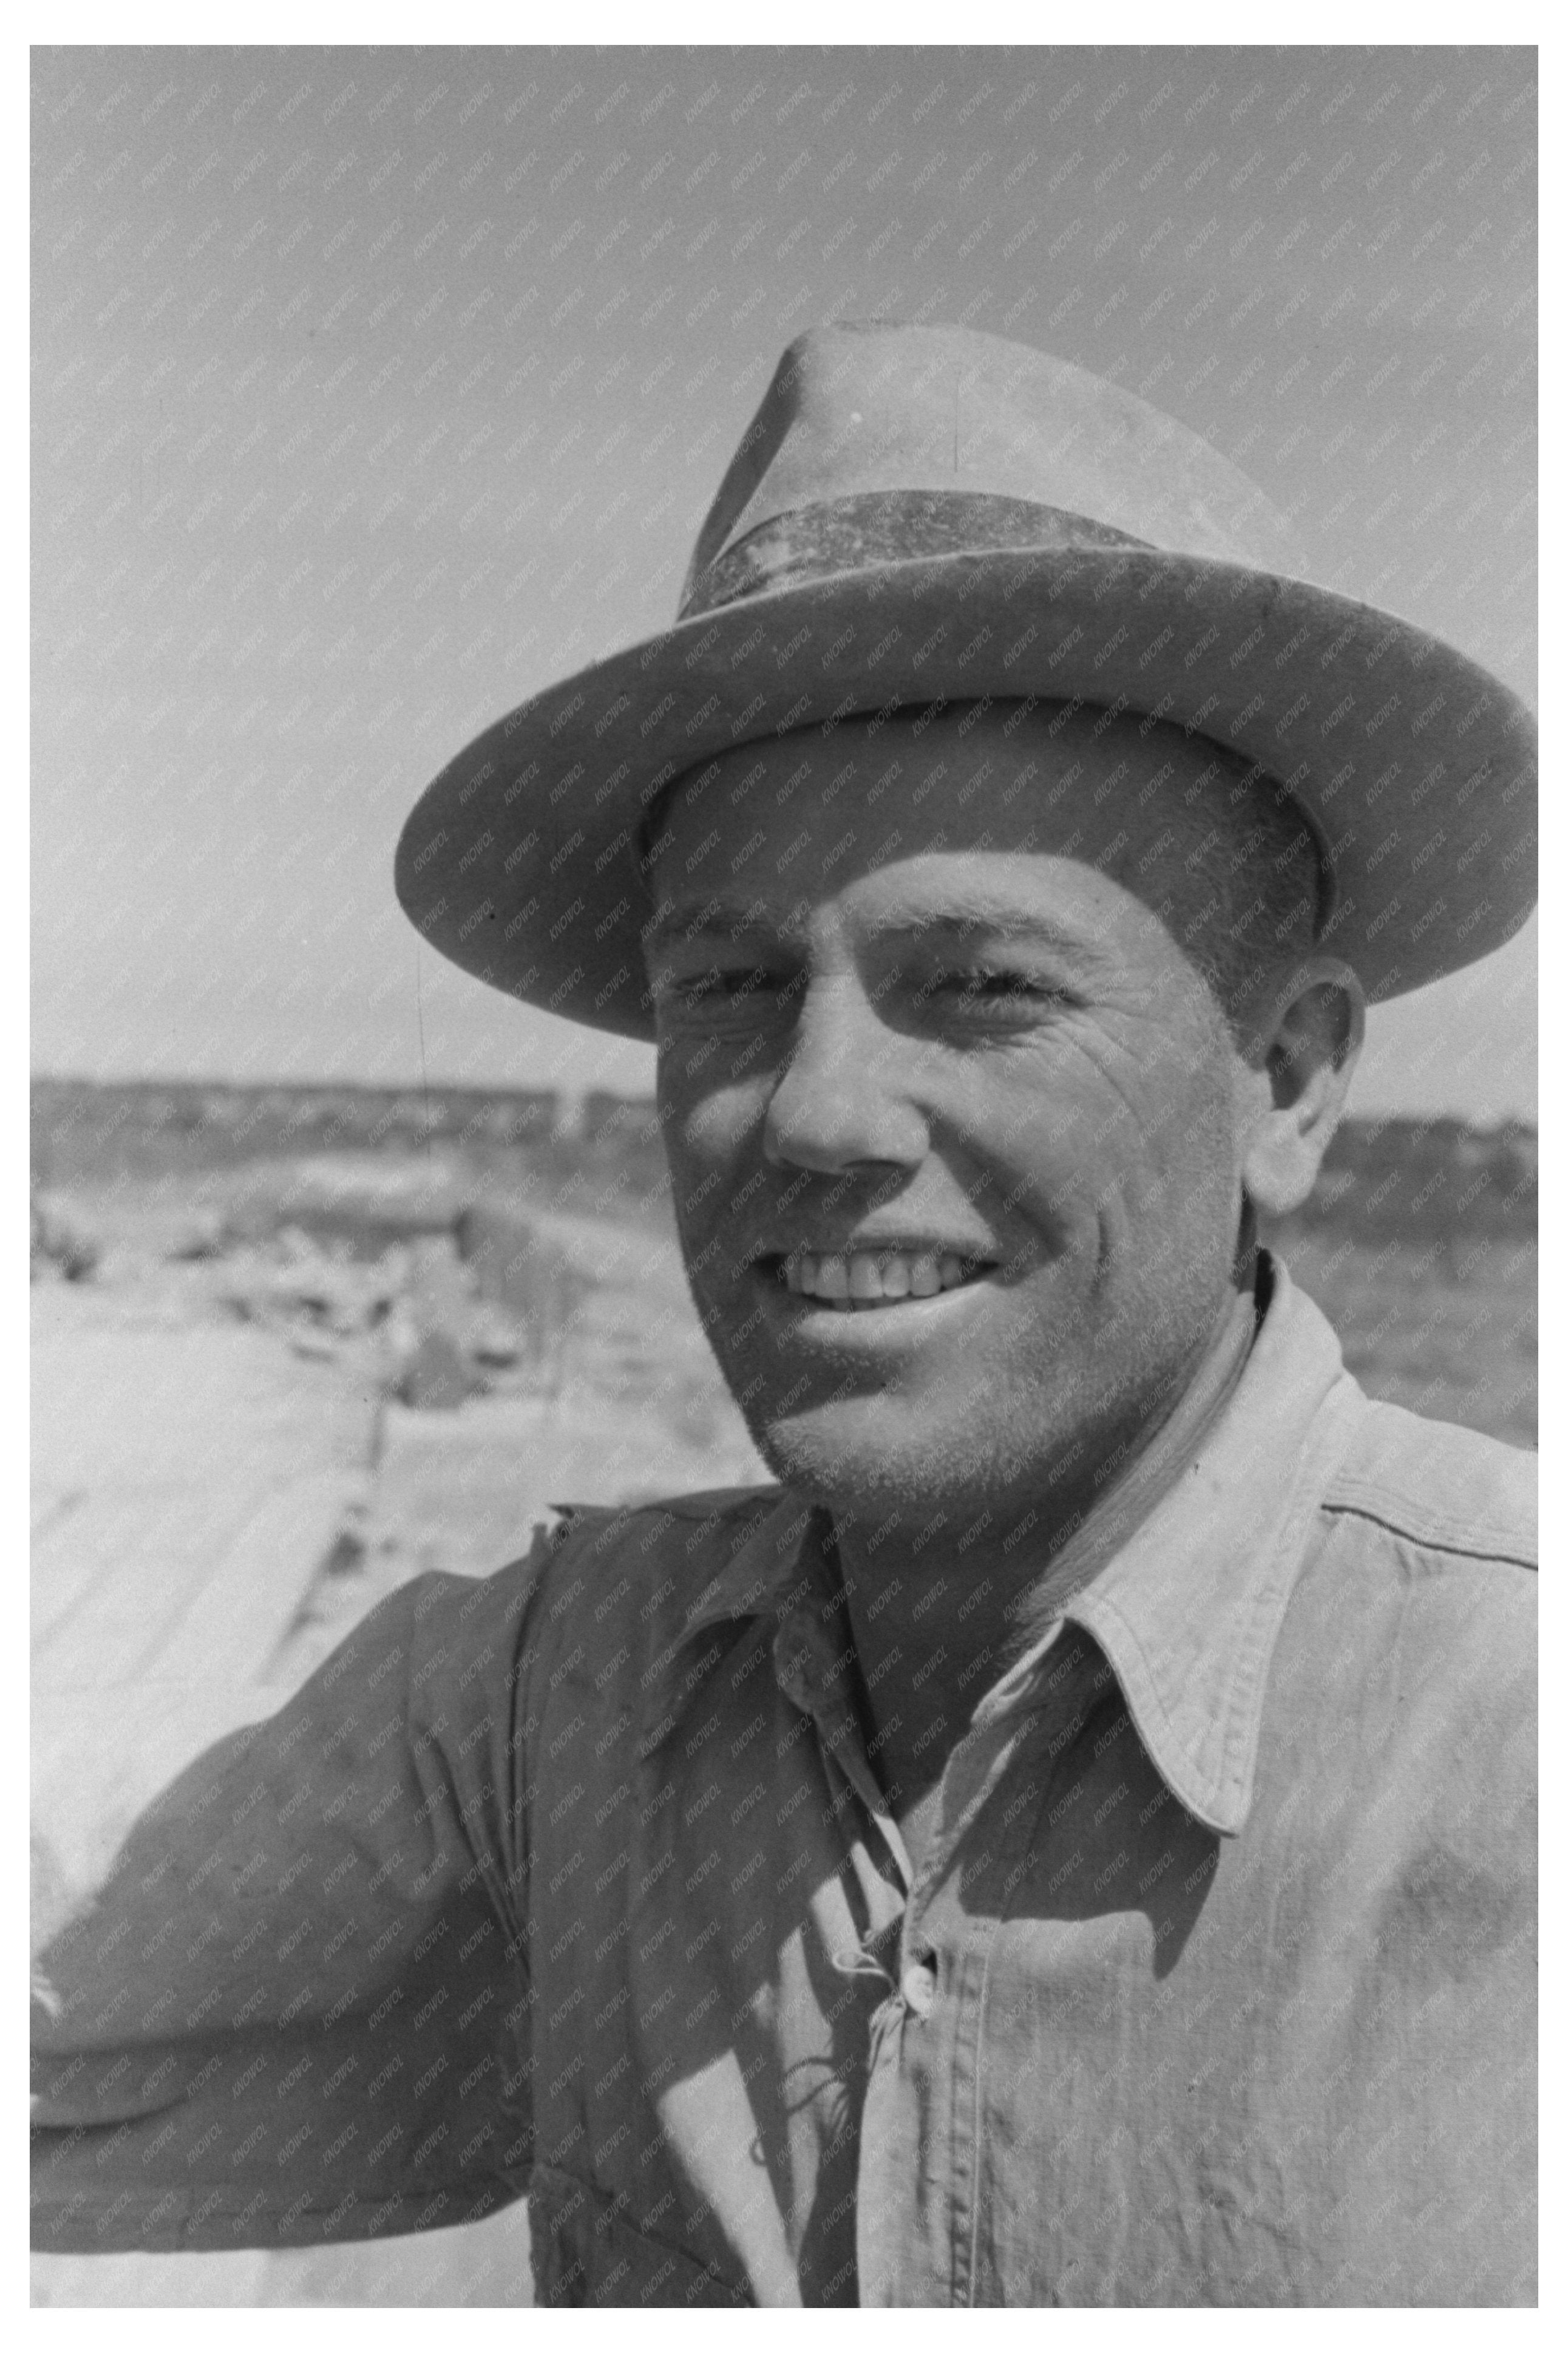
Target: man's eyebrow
x,y
706,918
961,920
981,917
997,921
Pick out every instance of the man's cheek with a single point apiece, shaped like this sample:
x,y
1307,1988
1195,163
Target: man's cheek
x,y
696,1189
1192,1158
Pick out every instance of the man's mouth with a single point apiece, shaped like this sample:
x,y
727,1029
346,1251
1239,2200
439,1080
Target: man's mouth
x,y
856,1280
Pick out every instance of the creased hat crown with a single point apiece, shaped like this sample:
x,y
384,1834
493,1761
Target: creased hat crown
x,y
881,442
918,514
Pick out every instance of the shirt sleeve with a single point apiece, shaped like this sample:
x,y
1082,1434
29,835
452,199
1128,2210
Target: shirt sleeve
x,y
298,2009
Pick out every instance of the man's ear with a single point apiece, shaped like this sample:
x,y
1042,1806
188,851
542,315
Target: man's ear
x,y
1308,1037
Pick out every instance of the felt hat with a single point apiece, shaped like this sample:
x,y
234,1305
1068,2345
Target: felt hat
x,y
919,514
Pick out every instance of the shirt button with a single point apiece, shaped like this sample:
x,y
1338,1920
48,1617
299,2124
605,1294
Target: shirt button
x,y
919,1990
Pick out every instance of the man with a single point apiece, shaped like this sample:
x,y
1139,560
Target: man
x,y
1071,1841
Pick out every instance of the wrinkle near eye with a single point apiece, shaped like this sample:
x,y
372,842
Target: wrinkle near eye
x,y
1085,1037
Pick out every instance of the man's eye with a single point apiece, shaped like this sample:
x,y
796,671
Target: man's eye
x,y
986,986
719,985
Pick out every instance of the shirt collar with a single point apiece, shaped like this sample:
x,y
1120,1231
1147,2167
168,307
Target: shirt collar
x,y
779,1566
1180,1574
1188,1609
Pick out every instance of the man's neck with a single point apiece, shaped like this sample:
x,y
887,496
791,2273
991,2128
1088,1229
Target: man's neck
x,y
938,1607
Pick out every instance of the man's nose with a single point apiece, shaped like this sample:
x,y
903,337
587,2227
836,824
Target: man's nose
x,y
842,1100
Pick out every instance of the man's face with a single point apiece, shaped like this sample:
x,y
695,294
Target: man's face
x,y
954,1126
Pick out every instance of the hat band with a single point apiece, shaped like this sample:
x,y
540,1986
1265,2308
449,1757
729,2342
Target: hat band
x,y
881,527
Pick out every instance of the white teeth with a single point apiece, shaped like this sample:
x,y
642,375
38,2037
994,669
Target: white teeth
x,y
868,1278
865,1277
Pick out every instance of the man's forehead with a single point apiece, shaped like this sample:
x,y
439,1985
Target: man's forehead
x,y
939,896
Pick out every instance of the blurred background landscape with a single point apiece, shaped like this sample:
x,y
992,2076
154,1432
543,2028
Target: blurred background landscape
x,y
458,1245
294,1345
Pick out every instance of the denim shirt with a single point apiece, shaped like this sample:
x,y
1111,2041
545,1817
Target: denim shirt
x,y
1216,1985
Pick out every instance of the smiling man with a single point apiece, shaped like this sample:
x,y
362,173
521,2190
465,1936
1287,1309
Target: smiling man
x,y
966,1147
1071,1841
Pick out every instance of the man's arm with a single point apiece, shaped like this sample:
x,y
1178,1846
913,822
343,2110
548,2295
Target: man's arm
x,y
298,2009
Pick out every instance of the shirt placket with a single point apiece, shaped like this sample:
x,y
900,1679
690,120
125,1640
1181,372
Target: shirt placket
x,y
897,1949
1036,1710
811,1678
929,2249
942,1987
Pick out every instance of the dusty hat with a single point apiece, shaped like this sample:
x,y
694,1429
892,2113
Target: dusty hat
x,y
919,514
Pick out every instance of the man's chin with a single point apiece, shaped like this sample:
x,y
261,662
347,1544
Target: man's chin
x,y
861,1467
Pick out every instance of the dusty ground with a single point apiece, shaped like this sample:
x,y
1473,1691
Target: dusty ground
x,y
226,1478
273,1394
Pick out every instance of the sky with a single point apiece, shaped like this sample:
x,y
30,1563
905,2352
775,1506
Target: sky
x,y
374,389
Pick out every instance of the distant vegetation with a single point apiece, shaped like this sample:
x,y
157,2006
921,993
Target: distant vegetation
x,y
1433,1177
1419,1242
84,1134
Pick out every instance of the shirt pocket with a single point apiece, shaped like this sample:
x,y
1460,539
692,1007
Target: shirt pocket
x,y
585,2252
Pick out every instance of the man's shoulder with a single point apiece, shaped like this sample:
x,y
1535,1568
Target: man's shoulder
x,y
659,1553
1453,1492
647,1521
1407,1664
1426,1588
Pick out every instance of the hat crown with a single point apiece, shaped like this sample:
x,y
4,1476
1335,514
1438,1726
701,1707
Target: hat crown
x,y
918,515
904,419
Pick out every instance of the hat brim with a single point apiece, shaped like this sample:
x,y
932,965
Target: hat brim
x,y
524,861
